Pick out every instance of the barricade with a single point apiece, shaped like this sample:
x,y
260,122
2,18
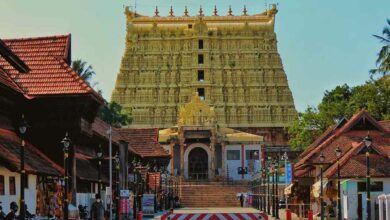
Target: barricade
x,y
215,216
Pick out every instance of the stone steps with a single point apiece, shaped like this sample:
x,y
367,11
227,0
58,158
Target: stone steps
x,y
210,194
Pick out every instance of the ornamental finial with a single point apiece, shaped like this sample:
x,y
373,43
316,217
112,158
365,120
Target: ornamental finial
x,y
156,12
185,11
171,12
215,11
230,12
245,11
201,11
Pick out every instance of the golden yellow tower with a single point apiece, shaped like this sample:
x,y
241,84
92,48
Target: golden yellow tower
x,y
231,61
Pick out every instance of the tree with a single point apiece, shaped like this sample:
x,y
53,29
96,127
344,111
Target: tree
x,y
112,114
85,71
383,60
342,101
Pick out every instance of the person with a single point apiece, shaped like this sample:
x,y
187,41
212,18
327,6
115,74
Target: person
x,y
97,209
242,200
12,213
2,214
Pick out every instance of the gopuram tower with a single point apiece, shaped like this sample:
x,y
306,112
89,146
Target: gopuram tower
x,y
230,60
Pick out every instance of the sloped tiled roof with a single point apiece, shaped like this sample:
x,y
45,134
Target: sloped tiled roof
x,y
144,141
6,80
385,124
87,169
48,59
35,161
350,141
100,128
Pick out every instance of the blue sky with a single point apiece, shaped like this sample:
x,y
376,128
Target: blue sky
x,y
322,43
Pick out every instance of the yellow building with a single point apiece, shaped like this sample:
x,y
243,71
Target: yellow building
x,y
231,61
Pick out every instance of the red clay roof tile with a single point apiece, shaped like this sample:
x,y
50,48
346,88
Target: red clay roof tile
x,y
144,141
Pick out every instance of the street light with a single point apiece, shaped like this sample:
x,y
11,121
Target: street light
x,y
273,189
256,187
22,131
285,158
367,142
99,156
66,144
338,155
322,159
117,167
276,164
268,190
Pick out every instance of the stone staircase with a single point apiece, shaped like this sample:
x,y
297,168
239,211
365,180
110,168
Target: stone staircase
x,y
211,194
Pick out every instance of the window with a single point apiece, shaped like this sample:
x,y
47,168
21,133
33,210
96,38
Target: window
x,y
12,185
250,155
201,93
200,59
233,154
2,191
200,75
189,26
200,44
375,186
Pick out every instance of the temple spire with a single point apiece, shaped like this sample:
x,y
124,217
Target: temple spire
x,y
201,11
156,12
171,12
245,11
230,12
185,11
215,11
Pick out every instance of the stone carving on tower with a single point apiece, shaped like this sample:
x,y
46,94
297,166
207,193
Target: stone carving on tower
x,y
230,60
197,113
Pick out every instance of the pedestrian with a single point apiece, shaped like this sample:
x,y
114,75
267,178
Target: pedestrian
x,y
12,213
97,210
2,214
242,200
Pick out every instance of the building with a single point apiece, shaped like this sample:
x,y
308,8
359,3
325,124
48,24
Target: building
x,y
347,135
36,81
201,150
231,61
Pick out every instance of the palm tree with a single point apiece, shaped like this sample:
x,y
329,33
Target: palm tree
x,y
85,72
383,60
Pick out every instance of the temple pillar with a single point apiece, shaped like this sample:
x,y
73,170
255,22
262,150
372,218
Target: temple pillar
x,y
172,151
223,168
182,159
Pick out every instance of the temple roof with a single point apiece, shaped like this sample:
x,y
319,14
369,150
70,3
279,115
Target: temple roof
x,y
48,60
348,136
144,141
217,17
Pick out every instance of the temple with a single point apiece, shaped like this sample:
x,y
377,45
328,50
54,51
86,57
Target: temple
x,y
231,61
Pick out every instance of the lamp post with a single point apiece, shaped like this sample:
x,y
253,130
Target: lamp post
x,y
155,169
276,188
367,142
262,204
338,155
117,167
322,159
22,130
99,156
285,158
273,189
66,143
268,191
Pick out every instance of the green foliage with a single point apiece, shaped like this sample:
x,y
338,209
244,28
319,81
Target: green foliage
x,y
342,101
383,60
85,72
112,114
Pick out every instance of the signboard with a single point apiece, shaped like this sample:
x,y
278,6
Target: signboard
x,y
289,173
154,181
125,193
148,204
108,191
124,206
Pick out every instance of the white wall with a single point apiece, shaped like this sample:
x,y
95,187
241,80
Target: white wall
x,y
234,164
30,193
350,196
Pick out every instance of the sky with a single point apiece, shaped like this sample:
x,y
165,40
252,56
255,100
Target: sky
x,y
322,43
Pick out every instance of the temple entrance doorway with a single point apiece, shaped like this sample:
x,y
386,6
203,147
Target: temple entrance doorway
x,y
198,164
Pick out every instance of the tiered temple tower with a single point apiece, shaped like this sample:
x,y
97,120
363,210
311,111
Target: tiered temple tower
x,y
231,61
